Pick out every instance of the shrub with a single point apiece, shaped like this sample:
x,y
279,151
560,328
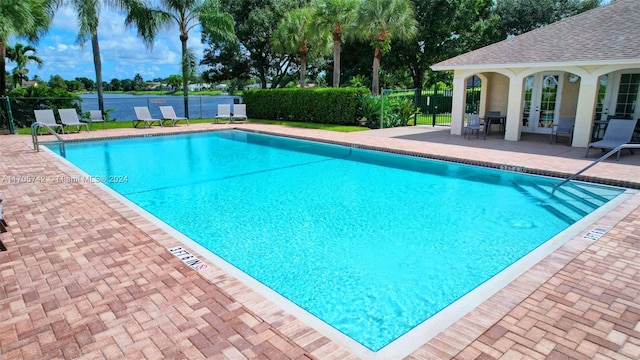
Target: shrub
x,y
25,100
326,105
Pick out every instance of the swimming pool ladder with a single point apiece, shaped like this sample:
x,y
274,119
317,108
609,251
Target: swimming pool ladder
x,y
35,128
617,150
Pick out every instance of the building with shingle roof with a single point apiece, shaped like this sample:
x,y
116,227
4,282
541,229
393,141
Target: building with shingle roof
x,y
585,67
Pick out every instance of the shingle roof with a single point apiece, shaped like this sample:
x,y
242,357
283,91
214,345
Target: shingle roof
x,y
608,34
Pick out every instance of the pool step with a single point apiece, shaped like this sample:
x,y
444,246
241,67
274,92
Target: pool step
x,y
570,202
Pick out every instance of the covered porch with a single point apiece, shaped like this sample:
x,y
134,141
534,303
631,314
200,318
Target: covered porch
x,y
585,68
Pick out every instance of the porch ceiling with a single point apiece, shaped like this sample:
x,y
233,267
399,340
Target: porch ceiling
x,y
606,35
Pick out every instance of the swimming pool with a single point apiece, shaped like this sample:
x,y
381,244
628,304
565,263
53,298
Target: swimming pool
x,y
371,243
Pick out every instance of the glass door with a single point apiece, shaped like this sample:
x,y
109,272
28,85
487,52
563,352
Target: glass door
x,y
548,101
528,114
628,97
541,102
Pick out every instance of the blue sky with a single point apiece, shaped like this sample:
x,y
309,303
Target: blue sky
x,y
123,54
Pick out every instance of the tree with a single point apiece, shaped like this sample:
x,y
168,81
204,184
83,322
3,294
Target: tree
x,y
174,81
380,21
87,83
187,14
115,84
57,82
296,34
74,85
254,55
88,21
22,55
127,85
138,82
520,16
21,18
446,28
225,61
335,15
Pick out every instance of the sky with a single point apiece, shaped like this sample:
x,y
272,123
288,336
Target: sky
x,y
123,54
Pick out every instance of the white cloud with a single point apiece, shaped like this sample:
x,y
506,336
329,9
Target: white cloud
x,y
123,53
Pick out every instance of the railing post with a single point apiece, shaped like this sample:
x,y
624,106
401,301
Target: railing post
x,y
434,104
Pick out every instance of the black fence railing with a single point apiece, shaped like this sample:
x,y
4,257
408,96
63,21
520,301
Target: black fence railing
x,y
433,105
118,107
6,119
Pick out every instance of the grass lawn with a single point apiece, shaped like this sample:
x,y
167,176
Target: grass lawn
x,y
129,124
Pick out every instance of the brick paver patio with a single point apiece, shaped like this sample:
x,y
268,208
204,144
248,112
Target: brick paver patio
x,y
85,276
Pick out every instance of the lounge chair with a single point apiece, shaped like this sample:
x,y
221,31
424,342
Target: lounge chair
x,y
169,115
564,126
95,116
48,118
69,117
144,117
473,124
618,132
239,112
224,112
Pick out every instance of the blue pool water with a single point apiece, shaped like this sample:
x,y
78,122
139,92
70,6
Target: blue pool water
x,y
371,243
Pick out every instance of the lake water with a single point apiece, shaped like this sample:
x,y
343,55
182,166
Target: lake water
x,y
122,104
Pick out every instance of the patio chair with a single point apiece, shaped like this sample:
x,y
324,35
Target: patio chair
x,y
3,223
69,117
494,117
169,115
618,132
95,116
224,112
144,117
239,112
473,124
564,126
47,117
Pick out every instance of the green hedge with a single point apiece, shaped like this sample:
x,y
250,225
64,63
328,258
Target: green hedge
x,y
326,105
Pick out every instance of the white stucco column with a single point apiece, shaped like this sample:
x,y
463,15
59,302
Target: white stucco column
x,y
586,107
458,103
514,105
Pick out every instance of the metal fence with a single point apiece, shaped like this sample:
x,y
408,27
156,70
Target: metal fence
x,y
119,107
6,120
433,105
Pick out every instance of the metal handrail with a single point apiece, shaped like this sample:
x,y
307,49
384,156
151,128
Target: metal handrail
x,y
34,137
603,157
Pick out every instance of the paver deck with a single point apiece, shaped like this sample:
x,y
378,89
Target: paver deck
x,y
85,276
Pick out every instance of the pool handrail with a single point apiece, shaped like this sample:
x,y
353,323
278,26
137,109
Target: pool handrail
x,y
35,127
615,150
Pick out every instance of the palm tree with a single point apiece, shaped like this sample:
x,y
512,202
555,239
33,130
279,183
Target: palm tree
x,y
88,21
335,15
296,34
380,21
21,55
21,18
187,14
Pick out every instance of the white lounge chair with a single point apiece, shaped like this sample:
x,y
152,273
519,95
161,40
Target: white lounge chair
x,y
95,116
239,112
48,118
169,115
618,132
144,117
224,112
69,117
